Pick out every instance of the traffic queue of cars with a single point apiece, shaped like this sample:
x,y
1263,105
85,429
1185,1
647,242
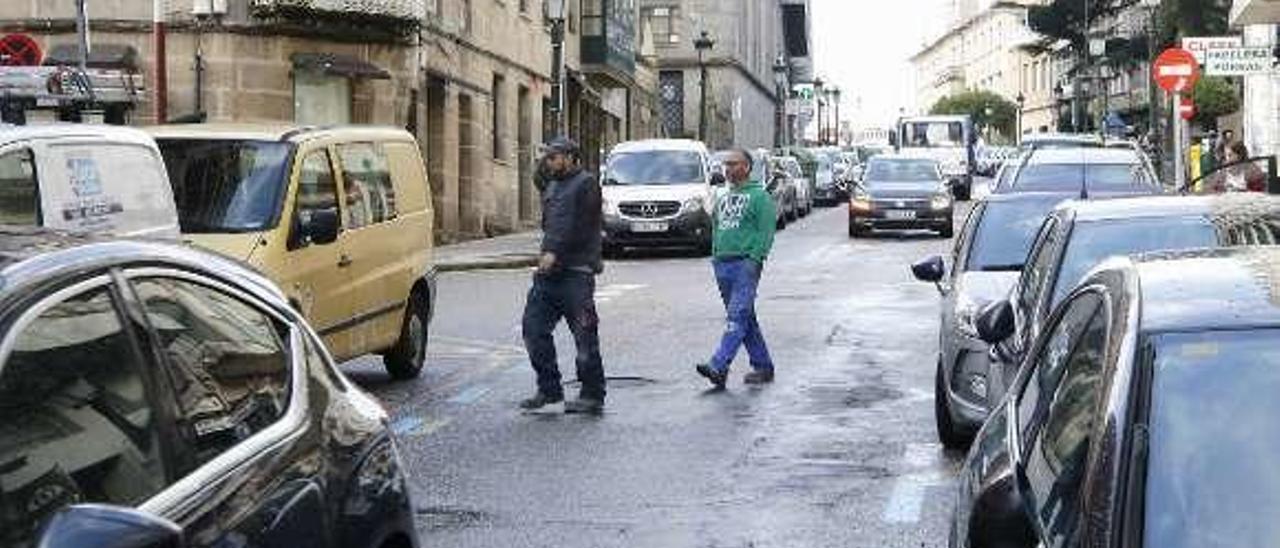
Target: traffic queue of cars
x,y
1104,354
172,309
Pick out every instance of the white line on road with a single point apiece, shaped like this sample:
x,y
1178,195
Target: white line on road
x,y
907,499
411,426
470,395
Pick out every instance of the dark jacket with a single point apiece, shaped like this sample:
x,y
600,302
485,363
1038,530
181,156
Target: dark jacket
x,y
572,221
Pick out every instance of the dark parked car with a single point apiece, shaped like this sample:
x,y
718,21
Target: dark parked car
x,y
1087,171
156,396
1145,416
831,179
984,266
1078,235
900,192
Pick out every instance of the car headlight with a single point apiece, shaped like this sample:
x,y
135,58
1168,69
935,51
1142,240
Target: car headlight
x,y
941,200
610,207
693,204
859,201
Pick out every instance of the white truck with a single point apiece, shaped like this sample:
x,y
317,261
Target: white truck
x,y
948,139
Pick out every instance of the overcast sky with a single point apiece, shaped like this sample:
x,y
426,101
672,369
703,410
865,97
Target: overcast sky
x,y
863,46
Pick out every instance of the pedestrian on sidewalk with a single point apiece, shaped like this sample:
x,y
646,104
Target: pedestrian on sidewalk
x,y
564,283
742,227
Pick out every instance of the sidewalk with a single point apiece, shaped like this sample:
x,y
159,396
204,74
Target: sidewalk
x,y
519,250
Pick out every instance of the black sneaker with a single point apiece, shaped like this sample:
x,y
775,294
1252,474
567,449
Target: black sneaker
x,y
758,376
717,378
591,406
540,400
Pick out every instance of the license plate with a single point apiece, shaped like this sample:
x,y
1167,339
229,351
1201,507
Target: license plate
x,y
899,214
648,227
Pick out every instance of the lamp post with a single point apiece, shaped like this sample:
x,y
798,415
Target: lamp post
x,y
780,89
703,44
835,130
818,92
555,15
1022,100
1057,107
987,113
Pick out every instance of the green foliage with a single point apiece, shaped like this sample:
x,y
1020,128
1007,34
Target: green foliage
x,y
1214,97
1003,117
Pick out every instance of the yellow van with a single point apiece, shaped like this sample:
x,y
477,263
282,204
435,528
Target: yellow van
x,y
339,217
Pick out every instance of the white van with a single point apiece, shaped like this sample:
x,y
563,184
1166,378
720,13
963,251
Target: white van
x,y
85,178
658,192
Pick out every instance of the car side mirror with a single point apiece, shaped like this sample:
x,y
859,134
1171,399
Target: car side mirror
x,y
317,226
610,181
999,516
717,179
105,526
930,270
995,321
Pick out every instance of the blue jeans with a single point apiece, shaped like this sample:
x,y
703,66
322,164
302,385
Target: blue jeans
x,y
569,296
738,279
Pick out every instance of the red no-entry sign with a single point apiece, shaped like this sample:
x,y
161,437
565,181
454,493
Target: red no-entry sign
x,y
19,50
1186,108
1176,70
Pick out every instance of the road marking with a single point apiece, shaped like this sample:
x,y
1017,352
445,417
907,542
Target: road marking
x,y
907,499
470,395
612,291
411,426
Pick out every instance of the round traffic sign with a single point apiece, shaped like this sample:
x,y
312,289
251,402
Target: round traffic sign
x,y
1176,70
19,50
1186,108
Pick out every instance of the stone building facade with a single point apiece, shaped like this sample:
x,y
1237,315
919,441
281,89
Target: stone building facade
x,y
748,36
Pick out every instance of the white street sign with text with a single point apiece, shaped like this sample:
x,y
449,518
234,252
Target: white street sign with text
x,y
1238,62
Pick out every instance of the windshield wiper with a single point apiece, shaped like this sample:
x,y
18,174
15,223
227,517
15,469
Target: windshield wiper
x,y
1001,268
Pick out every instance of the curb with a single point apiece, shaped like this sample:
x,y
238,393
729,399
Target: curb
x,y
503,263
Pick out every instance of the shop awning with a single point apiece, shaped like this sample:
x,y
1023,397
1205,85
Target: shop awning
x,y
102,56
1255,12
337,64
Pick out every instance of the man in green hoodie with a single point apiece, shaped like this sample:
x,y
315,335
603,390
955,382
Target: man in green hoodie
x,y
743,226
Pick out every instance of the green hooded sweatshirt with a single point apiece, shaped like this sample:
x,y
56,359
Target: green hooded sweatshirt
x,y
744,222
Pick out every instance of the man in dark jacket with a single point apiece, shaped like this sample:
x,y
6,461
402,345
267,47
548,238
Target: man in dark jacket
x,y
564,284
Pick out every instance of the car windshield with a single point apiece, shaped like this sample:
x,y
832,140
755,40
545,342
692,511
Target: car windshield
x,y
654,167
1091,242
902,171
226,185
1004,234
1067,177
1212,440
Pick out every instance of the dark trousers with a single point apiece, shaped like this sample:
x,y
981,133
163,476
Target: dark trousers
x,y
738,280
570,296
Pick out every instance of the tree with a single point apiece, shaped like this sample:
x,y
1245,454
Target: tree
x,y
1214,97
1003,117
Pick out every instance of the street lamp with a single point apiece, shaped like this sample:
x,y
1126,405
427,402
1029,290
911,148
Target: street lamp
x,y
780,87
835,95
1022,100
818,92
703,44
987,113
556,15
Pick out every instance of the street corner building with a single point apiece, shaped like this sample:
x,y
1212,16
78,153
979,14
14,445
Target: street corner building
x,y
467,77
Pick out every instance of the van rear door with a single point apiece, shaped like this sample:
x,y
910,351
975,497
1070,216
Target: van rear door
x,y
101,186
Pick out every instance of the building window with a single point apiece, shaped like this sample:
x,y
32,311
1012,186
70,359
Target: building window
x,y
320,99
593,17
524,6
466,16
664,23
498,119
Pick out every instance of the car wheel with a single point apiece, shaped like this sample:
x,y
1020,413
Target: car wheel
x,y
947,231
947,434
963,192
405,359
782,222
856,231
611,251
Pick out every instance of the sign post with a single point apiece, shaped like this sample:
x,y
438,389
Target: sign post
x,y
1176,70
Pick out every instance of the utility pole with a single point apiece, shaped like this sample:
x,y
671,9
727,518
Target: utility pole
x,y
703,44
159,73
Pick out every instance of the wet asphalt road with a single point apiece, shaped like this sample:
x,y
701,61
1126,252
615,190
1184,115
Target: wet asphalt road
x,y
839,452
